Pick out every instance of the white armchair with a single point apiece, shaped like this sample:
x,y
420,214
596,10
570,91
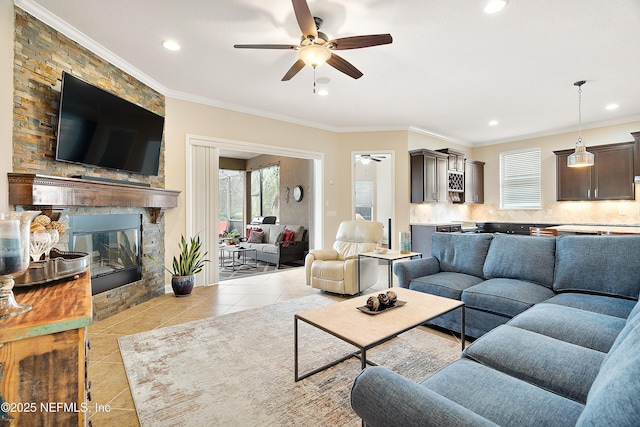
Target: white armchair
x,y
335,270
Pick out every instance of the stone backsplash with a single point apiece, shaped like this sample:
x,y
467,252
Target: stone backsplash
x,y
616,212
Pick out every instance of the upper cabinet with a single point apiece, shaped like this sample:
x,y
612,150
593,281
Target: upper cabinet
x,y
455,160
473,182
610,178
428,176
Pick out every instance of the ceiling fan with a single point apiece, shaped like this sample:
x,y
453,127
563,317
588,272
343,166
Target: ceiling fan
x,y
366,158
315,47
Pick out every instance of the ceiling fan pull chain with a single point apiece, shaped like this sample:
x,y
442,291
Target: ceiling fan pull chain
x,y
314,80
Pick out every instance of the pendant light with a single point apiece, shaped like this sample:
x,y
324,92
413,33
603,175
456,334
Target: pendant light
x,y
581,157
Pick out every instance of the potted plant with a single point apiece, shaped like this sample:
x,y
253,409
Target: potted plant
x,y
190,262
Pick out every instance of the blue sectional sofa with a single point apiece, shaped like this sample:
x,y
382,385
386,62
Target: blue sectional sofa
x,y
559,327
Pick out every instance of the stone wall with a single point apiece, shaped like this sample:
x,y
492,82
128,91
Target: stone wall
x,y
41,54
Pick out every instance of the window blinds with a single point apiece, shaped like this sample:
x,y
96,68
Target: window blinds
x,y
520,179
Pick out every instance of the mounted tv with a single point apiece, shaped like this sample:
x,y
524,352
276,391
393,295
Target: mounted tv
x,y
97,128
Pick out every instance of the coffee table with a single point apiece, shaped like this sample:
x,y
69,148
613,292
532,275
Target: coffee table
x,y
242,253
365,331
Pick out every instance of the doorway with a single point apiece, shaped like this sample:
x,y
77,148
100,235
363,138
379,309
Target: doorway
x,y
373,181
203,158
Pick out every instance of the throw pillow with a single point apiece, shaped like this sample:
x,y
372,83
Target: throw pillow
x,y
289,236
279,238
256,236
249,230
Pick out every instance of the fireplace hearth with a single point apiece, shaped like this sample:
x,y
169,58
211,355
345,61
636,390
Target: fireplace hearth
x,y
113,243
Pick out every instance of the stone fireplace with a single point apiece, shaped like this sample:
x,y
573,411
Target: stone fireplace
x,y
122,211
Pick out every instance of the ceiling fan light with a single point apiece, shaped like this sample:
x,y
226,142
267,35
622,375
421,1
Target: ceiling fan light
x,y
495,6
365,160
314,55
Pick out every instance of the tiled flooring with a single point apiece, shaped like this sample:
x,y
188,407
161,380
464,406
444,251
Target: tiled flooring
x,y
106,370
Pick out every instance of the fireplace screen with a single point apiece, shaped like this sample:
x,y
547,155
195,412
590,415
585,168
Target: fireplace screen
x,y
113,245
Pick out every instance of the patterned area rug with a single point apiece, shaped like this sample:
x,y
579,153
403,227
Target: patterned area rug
x,y
237,369
252,269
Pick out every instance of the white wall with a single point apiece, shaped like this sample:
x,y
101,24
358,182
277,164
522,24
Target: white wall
x,y
552,211
6,97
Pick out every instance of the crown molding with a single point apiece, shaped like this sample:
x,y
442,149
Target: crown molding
x,y
77,36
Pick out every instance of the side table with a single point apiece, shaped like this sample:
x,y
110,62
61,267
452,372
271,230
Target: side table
x,y
390,257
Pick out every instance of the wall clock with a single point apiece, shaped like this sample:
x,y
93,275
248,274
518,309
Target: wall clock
x,y
297,193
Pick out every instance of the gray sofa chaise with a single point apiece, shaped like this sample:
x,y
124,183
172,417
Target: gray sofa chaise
x,y
272,249
570,358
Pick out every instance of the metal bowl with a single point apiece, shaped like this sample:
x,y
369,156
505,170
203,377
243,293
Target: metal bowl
x,y
60,265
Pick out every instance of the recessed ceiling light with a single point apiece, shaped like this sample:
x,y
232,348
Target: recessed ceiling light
x,y
612,106
171,45
494,6
323,92
493,123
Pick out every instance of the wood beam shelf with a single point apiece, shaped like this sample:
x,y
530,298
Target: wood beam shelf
x,y
53,191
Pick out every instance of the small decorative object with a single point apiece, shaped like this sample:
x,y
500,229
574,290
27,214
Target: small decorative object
x,y
381,250
189,263
15,230
405,242
393,297
39,242
384,300
374,306
373,303
298,193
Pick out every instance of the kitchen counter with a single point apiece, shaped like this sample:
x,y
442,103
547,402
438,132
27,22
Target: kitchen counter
x,y
596,229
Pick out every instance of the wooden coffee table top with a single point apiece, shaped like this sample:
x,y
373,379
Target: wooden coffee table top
x,y
345,321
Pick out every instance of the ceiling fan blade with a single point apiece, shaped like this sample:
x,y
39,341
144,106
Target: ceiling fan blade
x,y
299,65
265,46
357,42
305,18
341,65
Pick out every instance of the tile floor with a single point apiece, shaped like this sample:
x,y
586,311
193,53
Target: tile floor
x,y
106,370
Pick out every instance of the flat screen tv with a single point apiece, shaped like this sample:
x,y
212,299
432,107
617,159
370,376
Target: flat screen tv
x,y
97,128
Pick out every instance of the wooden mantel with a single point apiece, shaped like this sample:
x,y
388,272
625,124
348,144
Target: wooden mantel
x,y
54,191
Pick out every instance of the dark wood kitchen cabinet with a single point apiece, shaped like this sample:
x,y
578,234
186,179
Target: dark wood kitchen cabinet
x,y
610,178
473,182
428,176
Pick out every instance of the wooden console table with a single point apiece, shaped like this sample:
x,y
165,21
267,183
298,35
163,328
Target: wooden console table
x,y
43,356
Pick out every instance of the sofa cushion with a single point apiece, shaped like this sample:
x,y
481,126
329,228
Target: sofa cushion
x,y
635,312
507,297
501,398
521,257
445,284
271,232
255,237
610,306
584,328
461,253
563,368
613,398
607,265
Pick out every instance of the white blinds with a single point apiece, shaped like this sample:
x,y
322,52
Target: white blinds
x,y
520,179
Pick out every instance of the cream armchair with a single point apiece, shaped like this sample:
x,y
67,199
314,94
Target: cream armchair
x,y
335,270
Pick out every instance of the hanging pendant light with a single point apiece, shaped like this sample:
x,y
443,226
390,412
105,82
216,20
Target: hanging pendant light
x,y
581,157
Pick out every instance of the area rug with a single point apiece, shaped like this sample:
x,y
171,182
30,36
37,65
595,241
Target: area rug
x,y
228,273
238,369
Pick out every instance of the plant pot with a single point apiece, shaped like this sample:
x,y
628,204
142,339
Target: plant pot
x,y
183,285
